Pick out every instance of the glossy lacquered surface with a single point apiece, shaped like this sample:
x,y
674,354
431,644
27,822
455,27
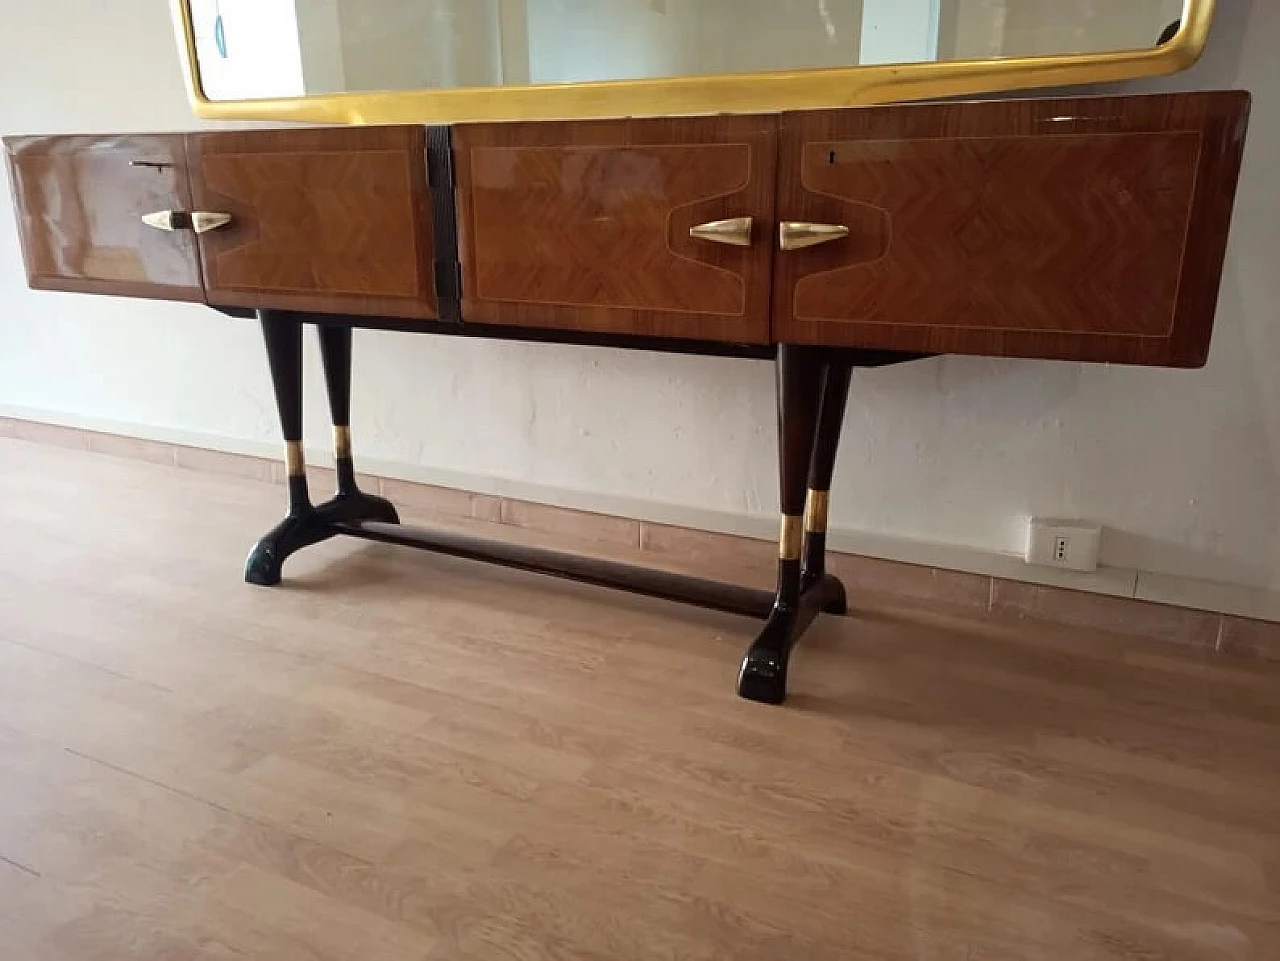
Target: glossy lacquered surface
x,y
1090,229
80,203
586,225
1086,229
330,219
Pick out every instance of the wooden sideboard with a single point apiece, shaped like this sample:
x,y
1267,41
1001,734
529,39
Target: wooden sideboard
x,y
1088,229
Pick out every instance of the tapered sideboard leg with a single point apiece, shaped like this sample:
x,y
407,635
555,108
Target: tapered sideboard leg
x,y
300,527
349,503
801,378
305,524
822,466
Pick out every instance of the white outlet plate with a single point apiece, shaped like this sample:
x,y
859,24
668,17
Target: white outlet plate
x,y
1065,544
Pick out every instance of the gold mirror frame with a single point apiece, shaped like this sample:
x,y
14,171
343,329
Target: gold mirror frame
x,y
725,93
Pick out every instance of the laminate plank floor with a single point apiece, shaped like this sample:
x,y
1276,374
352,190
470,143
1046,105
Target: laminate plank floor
x,y
401,756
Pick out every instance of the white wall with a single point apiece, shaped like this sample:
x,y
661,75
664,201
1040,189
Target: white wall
x,y
1184,465
320,45
971,29
780,34
974,29
263,58
577,40
411,44
572,40
899,31
1051,26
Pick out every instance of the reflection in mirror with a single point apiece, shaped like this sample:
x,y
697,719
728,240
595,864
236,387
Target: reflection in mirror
x,y
251,49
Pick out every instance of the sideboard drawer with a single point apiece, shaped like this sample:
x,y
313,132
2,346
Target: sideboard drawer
x,y
329,219
80,203
587,226
1082,229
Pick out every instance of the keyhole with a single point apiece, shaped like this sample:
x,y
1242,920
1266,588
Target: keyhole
x,y
831,158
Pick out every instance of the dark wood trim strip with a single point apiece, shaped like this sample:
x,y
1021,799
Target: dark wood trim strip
x,y
855,357
444,220
537,335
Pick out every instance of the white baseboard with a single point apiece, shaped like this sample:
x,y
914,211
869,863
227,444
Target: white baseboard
x,y
1238,599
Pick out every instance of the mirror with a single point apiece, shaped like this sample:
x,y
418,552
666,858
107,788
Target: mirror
x,y
395,61
251,49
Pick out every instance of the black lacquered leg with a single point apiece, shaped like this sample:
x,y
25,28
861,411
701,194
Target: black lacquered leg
x,y
301,526
349,503
800,385
305,524
822,465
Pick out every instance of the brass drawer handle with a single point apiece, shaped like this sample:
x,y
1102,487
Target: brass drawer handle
x,y
794,235
200,221
736,232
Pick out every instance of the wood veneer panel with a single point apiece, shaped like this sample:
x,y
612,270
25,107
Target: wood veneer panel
x,y
585,226
80,204
333,219
1090,229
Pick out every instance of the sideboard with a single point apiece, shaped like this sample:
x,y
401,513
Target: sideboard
x,y
1086,229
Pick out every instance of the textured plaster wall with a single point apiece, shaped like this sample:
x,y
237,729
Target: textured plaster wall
x,y
1182,465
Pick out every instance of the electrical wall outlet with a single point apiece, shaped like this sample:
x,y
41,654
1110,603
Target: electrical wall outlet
x,y
1071,545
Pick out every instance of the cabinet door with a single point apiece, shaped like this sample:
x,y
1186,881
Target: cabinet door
x,y
587,226
331,219
80,204
1090,229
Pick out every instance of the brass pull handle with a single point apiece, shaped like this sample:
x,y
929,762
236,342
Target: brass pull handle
x,y
793,235
203,221
161,220
200,221
736,232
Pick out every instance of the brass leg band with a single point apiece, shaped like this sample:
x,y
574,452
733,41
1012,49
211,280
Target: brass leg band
x,y
294,459
815,511
341,441
790,538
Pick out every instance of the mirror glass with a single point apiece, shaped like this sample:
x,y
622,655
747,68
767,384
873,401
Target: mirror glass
x,y
250,49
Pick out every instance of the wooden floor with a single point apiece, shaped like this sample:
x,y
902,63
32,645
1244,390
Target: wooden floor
x,y
399,756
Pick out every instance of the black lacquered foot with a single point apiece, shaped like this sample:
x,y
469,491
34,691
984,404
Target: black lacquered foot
x,y
304,528
834,599
292,534
352,508
763,676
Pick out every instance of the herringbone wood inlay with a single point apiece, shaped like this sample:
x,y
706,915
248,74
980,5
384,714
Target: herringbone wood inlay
x,y
586,225
1091,229
1054,233
323,219
1085,229
594,232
